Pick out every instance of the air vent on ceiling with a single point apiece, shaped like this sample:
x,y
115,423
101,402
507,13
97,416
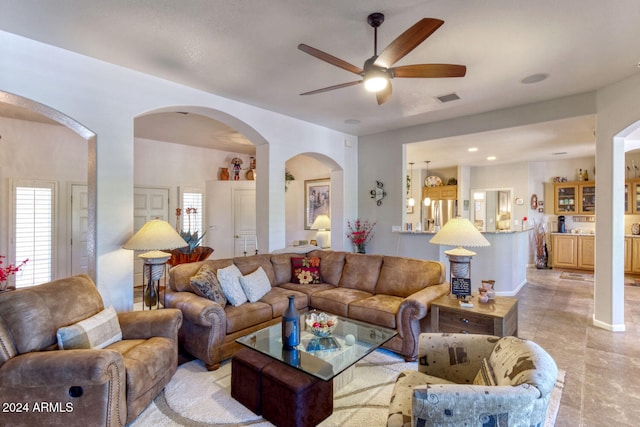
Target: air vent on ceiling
x,y
448,98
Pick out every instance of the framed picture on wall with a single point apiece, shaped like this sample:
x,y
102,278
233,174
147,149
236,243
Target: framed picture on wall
x,y
317,200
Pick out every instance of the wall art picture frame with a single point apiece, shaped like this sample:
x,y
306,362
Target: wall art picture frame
x,y
317,200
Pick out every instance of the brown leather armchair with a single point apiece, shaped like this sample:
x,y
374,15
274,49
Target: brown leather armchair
x,y
83,387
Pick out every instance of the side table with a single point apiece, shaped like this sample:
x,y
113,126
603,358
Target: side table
x,y
498,317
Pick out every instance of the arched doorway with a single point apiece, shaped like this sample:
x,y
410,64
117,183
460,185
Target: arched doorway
x,y
33,109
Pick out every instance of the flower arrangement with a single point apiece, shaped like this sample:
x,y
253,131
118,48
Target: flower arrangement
x,y
538,239
360,232
7,271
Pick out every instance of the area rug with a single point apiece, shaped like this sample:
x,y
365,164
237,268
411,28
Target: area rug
x,y
197,398
567,275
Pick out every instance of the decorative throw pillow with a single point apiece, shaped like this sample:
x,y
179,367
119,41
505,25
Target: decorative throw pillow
x,y
205,284
255,285
485,375
305,270
98,331
229,278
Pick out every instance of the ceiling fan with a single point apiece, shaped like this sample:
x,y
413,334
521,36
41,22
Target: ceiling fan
x,y
377,71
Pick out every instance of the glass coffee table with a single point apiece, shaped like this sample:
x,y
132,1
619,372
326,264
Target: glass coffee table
x,y
322,357
286,385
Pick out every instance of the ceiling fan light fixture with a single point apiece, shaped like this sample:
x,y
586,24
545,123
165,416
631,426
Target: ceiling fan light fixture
x,y
375,80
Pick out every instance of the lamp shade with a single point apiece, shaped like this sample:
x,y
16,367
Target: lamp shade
x,y
322,222
156,234
459,232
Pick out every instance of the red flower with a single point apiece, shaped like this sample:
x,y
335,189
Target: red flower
x,y
7,271
361,232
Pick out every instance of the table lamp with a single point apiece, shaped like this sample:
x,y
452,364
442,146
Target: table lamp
x,y
154,236
322,223
459,232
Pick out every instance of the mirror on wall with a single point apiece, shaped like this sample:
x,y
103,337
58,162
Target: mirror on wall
x,y
491,209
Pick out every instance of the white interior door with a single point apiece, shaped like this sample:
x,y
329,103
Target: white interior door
x,y
244,221
148,203
79,227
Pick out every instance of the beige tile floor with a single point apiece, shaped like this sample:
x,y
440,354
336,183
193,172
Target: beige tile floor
x,y
602,385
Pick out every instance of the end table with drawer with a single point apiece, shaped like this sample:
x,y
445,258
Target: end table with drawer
x,y
498,317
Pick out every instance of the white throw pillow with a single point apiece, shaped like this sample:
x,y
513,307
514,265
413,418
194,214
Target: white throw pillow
x,y
229,278
255,285
97,331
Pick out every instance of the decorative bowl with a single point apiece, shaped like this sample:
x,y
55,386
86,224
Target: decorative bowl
x,y
321,324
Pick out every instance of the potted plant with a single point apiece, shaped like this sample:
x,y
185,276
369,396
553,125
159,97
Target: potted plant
x,y
193,252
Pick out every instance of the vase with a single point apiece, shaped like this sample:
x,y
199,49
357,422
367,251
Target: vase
x,y
635,229
360,248
150,295
290,325
224,174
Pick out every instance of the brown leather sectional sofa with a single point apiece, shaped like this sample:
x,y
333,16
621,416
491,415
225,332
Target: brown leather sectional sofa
x,y
388,291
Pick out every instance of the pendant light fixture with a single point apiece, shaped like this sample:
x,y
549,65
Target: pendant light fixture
x,y
411,201
427,200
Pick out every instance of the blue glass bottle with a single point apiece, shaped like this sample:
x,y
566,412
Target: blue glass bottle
x,y
290,325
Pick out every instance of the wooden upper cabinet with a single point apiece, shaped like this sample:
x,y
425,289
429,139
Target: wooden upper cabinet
x,y
565,198
587,198
635,196
445,192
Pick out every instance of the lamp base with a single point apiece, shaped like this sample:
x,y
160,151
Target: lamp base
x,y
322,237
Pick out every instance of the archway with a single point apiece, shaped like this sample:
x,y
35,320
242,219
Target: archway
x,y
90,137
310,167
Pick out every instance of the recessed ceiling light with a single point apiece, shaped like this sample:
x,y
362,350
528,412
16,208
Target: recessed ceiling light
x,y
472,149
534,78
352,121
491,158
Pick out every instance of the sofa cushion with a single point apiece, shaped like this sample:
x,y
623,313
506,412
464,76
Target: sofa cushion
x,y
336,300
247,315
485,375
282,267
518,361
331,265
249,264
205,284
229,278
377,309
97,331
361,272
307,289
278,299
255,285
181,274
305,270
404,276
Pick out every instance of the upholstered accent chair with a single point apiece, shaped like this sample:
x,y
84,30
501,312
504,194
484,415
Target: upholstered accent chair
x,y
82,385
474,380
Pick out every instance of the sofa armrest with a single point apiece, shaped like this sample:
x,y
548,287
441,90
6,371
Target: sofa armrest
x,y
462,404
196,309
416,305
152,323
454,357
66,367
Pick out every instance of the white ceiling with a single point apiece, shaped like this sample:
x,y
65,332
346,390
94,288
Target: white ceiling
x,y
247,50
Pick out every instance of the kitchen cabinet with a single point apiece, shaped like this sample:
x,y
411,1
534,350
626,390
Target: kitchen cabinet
x,y
565,197
627,254
635,196
587,198
586,252
635,255
445,192
564,251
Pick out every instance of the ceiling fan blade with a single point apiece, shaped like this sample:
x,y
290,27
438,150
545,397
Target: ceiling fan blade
x,y
384,95
407,41
430,70
326,89
323,56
